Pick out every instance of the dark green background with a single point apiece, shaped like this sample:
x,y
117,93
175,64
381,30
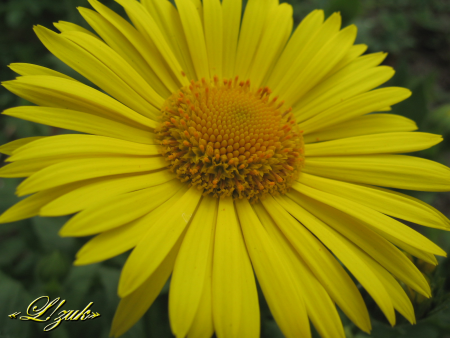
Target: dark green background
x,y
34,261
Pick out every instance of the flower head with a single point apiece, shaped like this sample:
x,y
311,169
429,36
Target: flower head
x,y
224,152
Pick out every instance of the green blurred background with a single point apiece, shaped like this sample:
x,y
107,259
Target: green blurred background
x,y
34,261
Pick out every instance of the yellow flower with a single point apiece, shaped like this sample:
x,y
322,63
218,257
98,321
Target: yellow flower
x,y
221,152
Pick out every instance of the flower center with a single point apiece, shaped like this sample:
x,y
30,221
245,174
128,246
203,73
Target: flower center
x,y
230,140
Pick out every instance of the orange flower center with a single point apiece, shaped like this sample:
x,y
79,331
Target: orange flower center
x,y
230,140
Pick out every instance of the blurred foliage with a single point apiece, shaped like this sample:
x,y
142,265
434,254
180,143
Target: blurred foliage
x,y
35,261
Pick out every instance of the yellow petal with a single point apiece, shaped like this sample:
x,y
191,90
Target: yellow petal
x,y
168,19
97,190
117,41
398,296
376,220
349,57
376,246
232,10
400,142
356,106
104,67
147,49
255,16
118,240
277,281
72,144
26,69
81,169
10,147
147,26
58,92
118,210
346,253
147,102
157,242
27,168
322,263
299,39
30,206
235,300
385,201
203,325
318,37
393,171
191,268
363,125
317,301
340,87
276,33
213,24
317,68
132,307
82,122
64,26
195,37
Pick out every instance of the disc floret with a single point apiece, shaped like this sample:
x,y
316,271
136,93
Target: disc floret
x,y
230,140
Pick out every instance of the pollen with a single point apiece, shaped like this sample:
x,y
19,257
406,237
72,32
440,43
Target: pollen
x,y
231,140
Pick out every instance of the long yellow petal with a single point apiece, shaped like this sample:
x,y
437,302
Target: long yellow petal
x,y
383,200
325,93
76,144
346,253
340,88
302,34
58,92
30,206
322,263
234,296
195,37
132,307
213,25
147,26
147,49
276,280
356,106
328,56
374,219
157,242
232,10
318,303
168,19
191,267
276,33
117,41
118,210
353,53
393,171
27,69
376,246
318,37
64,26
388,143
398,295
27,168
127,76
203,325
10,147
363,125
113,242
255,16
82,122
99,189
81,169
104,68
